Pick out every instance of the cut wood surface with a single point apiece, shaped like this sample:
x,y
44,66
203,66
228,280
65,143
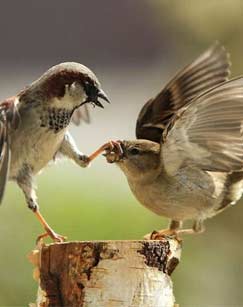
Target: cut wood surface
x,y
107,273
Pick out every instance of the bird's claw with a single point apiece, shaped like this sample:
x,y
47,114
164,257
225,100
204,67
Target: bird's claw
x,y
50,233
113,146
162,234
113,151
107,147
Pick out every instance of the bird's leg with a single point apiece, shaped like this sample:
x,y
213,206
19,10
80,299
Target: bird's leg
x,y
172,230
175,231
197,228
69,149
30,196
49,231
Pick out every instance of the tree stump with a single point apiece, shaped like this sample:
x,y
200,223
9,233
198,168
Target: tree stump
x,y
107,273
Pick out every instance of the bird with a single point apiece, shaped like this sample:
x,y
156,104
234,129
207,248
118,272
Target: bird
x,y
34,128
187,161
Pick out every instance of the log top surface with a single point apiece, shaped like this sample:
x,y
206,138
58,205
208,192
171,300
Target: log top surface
x,y
108,273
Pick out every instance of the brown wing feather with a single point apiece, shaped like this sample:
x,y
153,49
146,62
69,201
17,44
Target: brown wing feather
x,y
209,132
9,119
4,167
208,70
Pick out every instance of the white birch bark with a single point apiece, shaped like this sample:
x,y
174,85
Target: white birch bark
x,y
108,273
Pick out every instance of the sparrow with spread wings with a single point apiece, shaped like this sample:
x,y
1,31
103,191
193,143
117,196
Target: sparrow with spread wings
x,y
187,161
34,128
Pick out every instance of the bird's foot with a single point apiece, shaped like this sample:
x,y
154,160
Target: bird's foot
x,y
162,234
83,160
113,152
174,233
52,234
49,232
107,147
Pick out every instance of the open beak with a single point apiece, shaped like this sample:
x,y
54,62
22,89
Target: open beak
x,y
101,94
94,99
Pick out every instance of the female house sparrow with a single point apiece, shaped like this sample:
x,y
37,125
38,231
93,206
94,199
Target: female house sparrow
x,y
34,127
187,163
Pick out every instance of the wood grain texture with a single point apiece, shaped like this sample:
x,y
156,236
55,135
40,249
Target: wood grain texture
x,y
108,273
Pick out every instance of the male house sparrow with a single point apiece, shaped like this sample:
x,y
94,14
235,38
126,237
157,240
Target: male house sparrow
x,y
34,127
187,163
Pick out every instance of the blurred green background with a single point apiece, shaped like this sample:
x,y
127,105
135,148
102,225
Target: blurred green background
x,y
134,47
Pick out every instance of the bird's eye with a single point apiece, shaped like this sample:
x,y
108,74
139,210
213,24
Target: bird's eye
x,y
134,151
90,89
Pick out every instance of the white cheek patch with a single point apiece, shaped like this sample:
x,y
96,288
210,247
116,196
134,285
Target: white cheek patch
x,y
73,97
75,90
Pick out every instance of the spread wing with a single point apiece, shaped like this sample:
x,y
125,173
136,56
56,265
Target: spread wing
x,y
81,114
208,70
9,119
209,132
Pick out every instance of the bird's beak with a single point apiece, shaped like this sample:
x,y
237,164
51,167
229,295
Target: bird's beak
x,y
101,94
94,99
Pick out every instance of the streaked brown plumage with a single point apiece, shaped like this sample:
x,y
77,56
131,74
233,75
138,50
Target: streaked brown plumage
x,y
188,160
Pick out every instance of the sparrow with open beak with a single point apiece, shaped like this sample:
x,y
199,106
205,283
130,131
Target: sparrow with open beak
x,y
187,163
34,127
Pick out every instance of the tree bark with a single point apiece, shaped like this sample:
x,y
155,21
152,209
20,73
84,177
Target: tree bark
x,y
107,273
